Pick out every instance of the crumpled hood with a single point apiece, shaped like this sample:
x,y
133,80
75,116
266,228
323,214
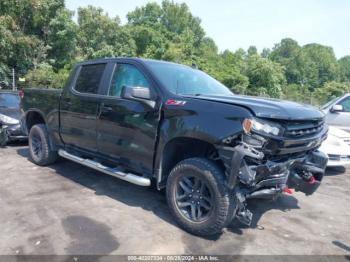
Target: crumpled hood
x,y
11,112
269,108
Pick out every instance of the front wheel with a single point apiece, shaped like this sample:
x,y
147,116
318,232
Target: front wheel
x,y
198,198
39,146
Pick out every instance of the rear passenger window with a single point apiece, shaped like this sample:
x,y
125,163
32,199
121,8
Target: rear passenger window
x,y
89,78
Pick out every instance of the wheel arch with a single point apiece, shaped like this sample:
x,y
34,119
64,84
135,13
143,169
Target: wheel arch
x,y
33,117
180,148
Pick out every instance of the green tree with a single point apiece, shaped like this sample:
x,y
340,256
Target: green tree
x,y
31,17
265,77
252,50
4,76
298,93
97,33
331,90
149,42
18,50
344,68
62,39
168,31
323,61
44,76
287,53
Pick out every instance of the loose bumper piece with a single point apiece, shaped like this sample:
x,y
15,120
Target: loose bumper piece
x,y
250,175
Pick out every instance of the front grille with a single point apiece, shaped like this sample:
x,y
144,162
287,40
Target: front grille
x,y
301,129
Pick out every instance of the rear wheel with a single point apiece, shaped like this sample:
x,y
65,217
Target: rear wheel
x,y
40,150
198,197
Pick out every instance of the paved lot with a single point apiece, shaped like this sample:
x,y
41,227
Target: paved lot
x,y
70,209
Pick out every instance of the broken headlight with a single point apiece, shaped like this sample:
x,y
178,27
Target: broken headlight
x,y
262,127
8,120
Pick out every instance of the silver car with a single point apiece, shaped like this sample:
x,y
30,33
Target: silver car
x,y
338,112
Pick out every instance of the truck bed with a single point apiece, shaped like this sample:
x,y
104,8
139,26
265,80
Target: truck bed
x,y
46,100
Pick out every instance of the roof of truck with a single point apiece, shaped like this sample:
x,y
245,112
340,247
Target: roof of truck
x,y
7,91
137,59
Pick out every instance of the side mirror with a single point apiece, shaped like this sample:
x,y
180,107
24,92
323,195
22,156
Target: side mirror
x,y
337,108
138,93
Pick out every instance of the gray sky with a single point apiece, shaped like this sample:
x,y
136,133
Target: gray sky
x,y
241,23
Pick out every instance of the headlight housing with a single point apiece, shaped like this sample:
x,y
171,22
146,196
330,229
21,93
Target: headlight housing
x,y
8,120
262,127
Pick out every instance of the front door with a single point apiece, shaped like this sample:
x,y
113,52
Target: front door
x,y
79,108
126,130
341,119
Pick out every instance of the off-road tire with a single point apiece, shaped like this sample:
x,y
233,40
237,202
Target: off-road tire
x,y
47,156
222,211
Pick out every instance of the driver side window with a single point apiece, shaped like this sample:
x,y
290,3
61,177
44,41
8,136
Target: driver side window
x,y
126,75
346,104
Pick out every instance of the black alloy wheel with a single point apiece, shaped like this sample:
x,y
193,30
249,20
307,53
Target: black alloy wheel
x,y
198,197
194,198
36,145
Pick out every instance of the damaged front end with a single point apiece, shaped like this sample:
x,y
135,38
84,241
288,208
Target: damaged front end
x,y
264,165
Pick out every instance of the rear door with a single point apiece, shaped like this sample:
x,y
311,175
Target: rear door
x,y
79,106
127,129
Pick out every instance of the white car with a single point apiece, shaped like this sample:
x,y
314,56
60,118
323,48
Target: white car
x,y
337,147
338,112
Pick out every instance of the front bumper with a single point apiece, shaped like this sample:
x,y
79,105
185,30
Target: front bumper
x,y
338,160
250,174
13,133
263,178
298,174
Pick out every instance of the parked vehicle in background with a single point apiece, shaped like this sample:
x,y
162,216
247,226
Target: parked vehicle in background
x,y
3,136
10,115
337,147
145,120
338,112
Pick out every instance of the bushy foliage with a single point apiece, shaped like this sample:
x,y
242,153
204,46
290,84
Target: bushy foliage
x,y
331,90
44,76
41,41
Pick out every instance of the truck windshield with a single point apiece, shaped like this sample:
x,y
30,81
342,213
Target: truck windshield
x,y
184,80
9,100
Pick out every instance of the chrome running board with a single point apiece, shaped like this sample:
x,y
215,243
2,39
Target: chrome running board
x,y
138,180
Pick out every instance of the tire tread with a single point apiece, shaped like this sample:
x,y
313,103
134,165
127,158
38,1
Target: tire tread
x,y
49,156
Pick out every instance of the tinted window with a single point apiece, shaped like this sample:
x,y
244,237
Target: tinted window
x,y
9,100
126,75
89,78
180,79
346,104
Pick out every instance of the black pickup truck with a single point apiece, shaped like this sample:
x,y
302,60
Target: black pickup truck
x,y
149,121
